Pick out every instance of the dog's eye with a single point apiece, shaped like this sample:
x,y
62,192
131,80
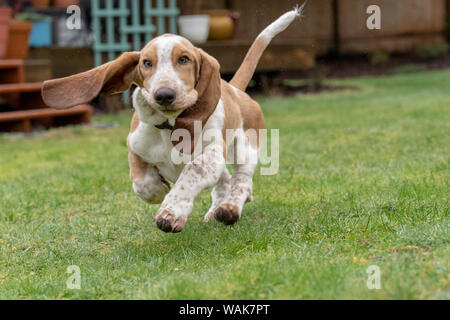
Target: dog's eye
x,y
183,60
147,63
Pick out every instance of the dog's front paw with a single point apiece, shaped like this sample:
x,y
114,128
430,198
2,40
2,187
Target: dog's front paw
x,y
167,221
227,213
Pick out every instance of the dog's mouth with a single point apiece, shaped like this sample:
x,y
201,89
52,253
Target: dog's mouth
x,y
170,114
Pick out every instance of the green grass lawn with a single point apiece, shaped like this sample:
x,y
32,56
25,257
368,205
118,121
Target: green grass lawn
x,y
363,180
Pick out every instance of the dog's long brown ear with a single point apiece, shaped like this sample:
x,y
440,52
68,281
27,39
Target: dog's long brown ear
x,y
208,88
112,77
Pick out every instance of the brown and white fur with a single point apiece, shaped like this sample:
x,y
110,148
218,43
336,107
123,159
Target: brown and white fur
x,y
192,91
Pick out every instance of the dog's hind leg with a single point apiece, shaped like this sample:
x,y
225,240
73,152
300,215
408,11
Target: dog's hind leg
x,y
220,193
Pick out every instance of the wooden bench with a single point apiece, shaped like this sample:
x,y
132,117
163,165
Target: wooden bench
x,y
20,87
22,121
22,95
24,105
12,71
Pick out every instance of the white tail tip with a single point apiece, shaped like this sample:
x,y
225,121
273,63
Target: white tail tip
x,y
282,22
299,9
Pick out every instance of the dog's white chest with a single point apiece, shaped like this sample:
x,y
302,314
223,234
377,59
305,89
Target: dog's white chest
x,y
154,146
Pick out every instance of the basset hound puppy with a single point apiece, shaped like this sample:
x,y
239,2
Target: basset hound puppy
x,y
188,123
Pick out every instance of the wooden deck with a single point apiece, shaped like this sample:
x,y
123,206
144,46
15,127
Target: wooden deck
x,y
23,121
20,87
23,107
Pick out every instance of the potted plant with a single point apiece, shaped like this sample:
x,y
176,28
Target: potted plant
x,y
65,3
194,27
221,23
5,16
19,32
41,33
40,4
16,5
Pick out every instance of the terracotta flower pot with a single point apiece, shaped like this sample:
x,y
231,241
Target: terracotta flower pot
x,y
19,32
40,3
65,3
5,16
221,24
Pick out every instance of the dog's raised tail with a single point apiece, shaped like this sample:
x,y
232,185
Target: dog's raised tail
x,y
245,72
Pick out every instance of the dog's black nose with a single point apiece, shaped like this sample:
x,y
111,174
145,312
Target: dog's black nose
x,y
165,96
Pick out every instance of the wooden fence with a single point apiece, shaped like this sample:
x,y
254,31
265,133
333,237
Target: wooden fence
x,y
326,25
405,25
331,24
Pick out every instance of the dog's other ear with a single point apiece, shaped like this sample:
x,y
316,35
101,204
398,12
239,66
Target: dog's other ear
x,y
112,77
208,89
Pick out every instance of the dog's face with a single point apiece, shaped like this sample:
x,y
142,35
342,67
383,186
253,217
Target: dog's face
x,y
172,73
176,79
169,67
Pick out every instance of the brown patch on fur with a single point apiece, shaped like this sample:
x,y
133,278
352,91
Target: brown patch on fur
x,y
240,108
138,168
208,88
188,73
253,118
149,53
230,99
134,122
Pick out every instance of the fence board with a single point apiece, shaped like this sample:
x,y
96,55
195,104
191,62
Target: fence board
x,y
405,24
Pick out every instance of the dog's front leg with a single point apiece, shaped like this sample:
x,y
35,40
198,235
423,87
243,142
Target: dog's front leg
x,y
202,172
148,184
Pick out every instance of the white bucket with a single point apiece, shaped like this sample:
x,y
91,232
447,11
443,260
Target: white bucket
x,y
194,27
